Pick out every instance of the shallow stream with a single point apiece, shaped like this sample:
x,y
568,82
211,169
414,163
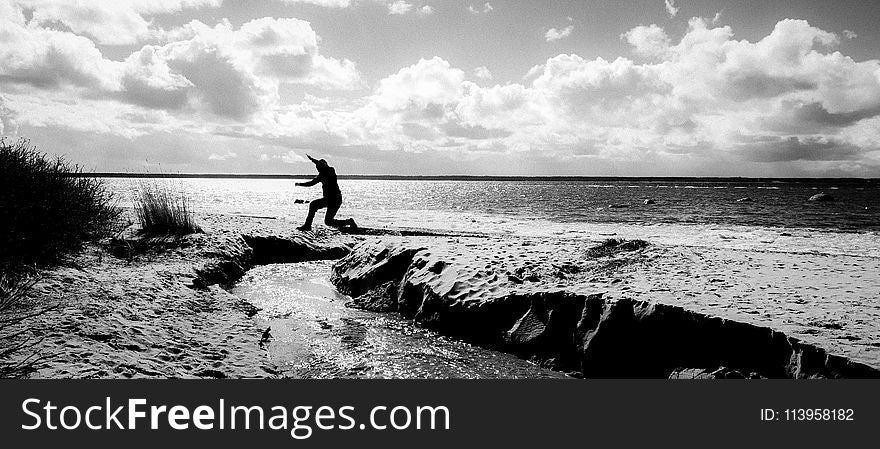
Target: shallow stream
x,y
315,335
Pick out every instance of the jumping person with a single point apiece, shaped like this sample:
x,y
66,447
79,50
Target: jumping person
x,y
332,197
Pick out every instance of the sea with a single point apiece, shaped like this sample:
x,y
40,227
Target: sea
x,y
773,214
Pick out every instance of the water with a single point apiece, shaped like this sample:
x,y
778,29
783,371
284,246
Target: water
x,y
686,212
775,203
314,335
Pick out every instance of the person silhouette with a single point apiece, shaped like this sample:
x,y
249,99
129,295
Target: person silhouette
x,y
332,197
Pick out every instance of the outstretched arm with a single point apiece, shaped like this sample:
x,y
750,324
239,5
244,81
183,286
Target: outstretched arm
x,y
310,183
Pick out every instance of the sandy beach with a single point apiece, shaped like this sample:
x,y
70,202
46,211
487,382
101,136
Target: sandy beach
x,y
566,304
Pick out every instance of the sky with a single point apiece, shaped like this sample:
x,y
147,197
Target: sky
x,y
432,87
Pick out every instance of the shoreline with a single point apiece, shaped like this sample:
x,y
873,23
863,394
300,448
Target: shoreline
x,y
165,314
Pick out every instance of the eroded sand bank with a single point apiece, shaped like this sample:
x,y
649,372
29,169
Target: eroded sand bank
x,y
164,310
632,312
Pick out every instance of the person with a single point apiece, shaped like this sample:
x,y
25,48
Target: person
x,y
332,197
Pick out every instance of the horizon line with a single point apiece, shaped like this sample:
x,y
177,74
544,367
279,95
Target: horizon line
x,y
453,177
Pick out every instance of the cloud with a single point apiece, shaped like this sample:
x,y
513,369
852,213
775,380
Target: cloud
x,y
785,98
806,118
648,41
483,73
487,8
7,119
671,9
233,73
325,3
108,22
776,149
554,35
420,88
701,100
850,34
399,7
49,58
228,72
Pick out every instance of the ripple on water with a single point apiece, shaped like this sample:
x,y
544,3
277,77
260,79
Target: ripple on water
x,y
316,336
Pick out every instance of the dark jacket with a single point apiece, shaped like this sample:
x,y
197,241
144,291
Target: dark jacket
x,y
327,178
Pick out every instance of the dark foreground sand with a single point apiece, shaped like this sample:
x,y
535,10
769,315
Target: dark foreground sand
x,y
649,312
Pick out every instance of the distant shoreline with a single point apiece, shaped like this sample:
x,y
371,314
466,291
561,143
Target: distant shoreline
x,y
474,177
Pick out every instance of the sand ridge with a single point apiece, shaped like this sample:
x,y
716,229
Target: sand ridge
x,y
827,301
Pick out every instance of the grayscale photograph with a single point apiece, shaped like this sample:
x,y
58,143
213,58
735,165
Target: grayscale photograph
x,y
440,189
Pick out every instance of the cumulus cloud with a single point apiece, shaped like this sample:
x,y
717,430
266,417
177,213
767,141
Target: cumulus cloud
x,y
420,89
785,98
232,73
701,96
49,58
483,73
554,35
648,41
110,22
671,9
235,73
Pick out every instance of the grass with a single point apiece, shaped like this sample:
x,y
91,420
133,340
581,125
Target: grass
x,y
45,213
163,212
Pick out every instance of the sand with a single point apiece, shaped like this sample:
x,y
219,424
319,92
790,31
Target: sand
x,y
167,312
157,314
827,301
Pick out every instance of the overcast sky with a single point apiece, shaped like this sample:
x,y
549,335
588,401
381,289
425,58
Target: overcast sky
x,y
641,87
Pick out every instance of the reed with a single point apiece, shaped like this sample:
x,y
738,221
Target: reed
x,y
163,211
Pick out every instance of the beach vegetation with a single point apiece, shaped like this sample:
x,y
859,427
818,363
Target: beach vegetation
x,y
163,211
47,207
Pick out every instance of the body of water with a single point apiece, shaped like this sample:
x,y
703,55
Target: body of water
x,y
683,211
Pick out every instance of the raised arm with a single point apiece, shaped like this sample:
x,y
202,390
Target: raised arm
x,y
314,181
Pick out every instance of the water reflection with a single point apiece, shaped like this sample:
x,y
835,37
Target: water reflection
x,y
316,336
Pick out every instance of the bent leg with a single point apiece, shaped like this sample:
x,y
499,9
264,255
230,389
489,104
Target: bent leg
x,y
330,218
313,209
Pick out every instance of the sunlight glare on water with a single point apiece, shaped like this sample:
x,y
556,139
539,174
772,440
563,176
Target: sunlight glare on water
x,y
316,336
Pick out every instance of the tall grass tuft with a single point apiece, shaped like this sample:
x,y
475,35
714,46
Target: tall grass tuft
x,y
162,211
47,209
